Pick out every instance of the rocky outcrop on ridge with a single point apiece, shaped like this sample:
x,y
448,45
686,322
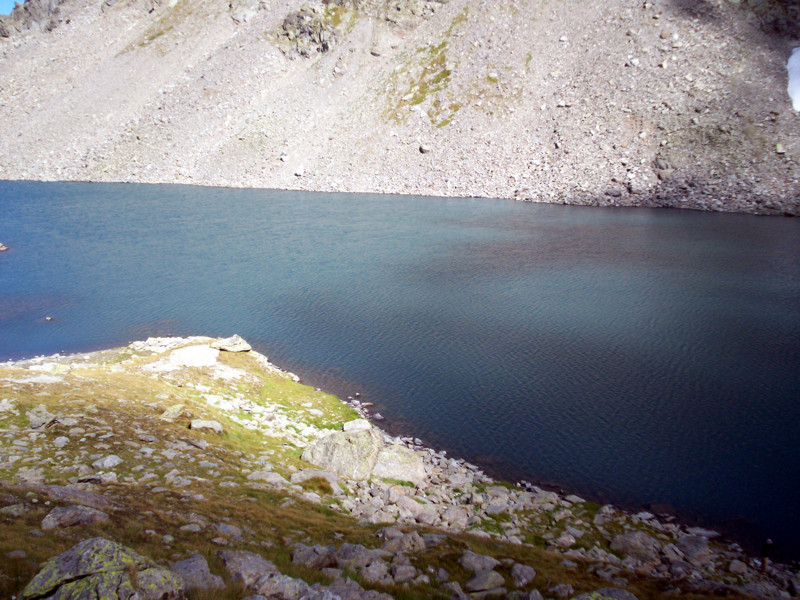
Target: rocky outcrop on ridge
x,y
622,103
30,15
102,464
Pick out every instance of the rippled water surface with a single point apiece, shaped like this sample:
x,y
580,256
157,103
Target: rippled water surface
x,y
635,356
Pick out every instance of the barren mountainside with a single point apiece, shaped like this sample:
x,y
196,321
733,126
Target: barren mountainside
x,y
621,102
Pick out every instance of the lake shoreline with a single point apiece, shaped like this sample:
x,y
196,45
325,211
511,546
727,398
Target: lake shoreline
x,y
693,199
671,525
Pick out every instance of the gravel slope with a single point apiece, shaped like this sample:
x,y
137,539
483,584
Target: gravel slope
x,y
620,102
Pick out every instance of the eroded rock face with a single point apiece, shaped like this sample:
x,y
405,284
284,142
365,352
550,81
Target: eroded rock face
x,y
99,568
31,14
307,31
351,454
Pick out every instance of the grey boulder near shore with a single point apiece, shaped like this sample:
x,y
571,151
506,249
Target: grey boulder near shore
x,y
360,453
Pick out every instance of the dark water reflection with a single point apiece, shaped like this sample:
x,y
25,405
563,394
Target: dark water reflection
x,y
636,356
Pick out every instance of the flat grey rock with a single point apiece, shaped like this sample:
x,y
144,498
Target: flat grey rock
x,y
280,586
350,454
522,574
562,590
695,548
72,516
194,574
245,567
485,579
477,562
638,545
400,463
107,462
215,426
357,425
232,344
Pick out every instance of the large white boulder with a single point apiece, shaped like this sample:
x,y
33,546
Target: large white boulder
x,y
351,454
401,463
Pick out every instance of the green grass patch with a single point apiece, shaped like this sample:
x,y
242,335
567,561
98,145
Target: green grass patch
x,y
402,482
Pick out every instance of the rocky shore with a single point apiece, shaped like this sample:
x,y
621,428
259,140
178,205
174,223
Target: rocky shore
x,y
612,103
193,467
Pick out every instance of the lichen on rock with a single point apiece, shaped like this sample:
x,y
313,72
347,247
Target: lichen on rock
x,y
100,568
352,454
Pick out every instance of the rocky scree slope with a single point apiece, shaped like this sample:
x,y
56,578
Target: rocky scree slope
x,y
627,102
192,467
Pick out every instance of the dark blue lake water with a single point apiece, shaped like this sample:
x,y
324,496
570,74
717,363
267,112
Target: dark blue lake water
x,y
630,355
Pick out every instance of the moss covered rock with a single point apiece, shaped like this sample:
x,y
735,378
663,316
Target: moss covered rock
x,y
101,569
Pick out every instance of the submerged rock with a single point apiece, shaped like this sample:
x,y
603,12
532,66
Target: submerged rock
x,y
99,568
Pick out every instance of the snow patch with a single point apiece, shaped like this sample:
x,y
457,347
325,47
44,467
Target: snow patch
x,y
793,66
